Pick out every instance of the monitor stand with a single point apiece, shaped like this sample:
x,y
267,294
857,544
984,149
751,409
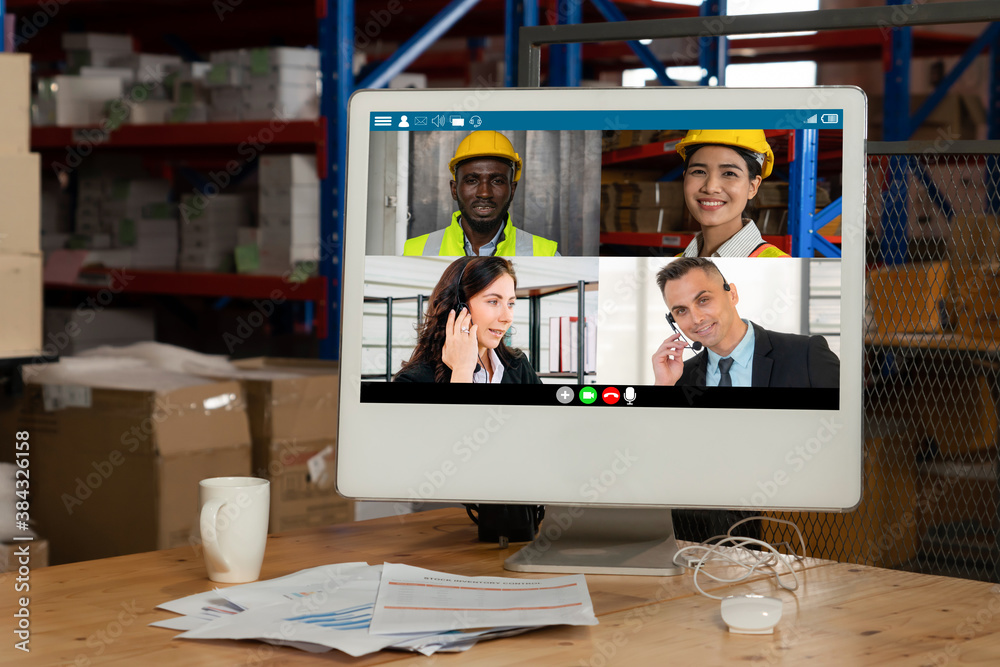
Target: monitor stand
x,y
601,540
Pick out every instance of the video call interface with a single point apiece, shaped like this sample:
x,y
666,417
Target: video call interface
x,y
552,258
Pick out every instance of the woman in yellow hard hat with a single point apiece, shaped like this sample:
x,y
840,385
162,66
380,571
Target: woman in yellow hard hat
x,y
723,170
462,335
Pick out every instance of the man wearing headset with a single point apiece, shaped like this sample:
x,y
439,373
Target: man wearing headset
x,y
486,171
740,353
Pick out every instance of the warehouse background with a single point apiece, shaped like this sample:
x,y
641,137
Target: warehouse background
x,y
198,146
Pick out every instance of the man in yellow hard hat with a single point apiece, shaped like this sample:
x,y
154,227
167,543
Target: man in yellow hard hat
x,y
485,172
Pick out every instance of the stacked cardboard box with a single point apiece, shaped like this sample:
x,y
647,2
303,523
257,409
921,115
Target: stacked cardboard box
x,y
210,230
120,451
292,405
289,212
20,225
264,83
132,214
642,206
973,303
94,49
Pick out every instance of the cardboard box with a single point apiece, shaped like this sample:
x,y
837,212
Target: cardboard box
x,y
644,220
645,194
908,297
38,554
881,531
283,171
116,470
290,399
15,103
302,486
21,304
20,192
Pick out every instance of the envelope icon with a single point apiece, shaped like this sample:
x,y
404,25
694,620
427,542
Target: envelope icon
x,y
420,120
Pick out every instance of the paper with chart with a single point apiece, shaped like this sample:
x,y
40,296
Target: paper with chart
x,y
412,599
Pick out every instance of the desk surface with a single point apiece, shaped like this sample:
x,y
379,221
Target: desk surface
x,y
96,612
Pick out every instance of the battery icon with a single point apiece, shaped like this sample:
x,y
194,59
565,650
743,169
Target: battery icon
x,y
830,117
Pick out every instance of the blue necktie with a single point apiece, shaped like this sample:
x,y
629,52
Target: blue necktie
x,y
725,364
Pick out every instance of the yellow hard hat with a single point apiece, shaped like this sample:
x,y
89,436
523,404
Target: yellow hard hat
x,y
486,143
751,140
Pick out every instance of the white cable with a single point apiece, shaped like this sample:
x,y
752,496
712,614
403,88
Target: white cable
x,y
731,549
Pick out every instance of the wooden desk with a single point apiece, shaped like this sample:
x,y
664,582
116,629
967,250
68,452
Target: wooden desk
x,y
96,613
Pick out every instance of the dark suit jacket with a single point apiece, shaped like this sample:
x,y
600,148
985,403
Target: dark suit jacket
x,y
779,360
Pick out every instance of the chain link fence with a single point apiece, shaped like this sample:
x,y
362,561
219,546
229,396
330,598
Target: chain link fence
x,y
932,356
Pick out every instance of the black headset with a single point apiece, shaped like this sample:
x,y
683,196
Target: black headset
x,y
460,303
458,289
696,346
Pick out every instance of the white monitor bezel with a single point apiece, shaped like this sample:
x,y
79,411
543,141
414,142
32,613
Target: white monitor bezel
x,y
419,452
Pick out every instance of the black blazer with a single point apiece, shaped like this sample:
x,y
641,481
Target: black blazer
x,y
515,371
779,360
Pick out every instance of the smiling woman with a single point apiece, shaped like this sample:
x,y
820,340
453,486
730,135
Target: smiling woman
x,y
723,170
462,335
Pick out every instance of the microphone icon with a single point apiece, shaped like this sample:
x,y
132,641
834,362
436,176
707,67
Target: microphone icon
x,y
630,395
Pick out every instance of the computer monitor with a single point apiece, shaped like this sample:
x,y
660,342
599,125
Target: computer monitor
x,y
599,204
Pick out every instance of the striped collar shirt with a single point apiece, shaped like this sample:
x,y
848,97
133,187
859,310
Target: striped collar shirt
x,y
740,244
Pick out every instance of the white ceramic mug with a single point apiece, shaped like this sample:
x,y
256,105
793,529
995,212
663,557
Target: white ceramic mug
x,y
234,514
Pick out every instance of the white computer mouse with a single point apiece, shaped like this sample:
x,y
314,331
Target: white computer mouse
x,y
751,614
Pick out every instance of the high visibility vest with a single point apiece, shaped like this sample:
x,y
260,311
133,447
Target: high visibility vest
x,y
768,250
450,242
765,249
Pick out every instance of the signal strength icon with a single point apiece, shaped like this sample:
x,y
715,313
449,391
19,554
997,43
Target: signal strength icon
x,y
811,119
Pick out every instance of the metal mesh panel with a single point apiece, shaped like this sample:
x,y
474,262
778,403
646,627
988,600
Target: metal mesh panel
x,y
932,329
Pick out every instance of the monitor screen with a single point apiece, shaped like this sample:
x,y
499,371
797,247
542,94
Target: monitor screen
x,y
525,317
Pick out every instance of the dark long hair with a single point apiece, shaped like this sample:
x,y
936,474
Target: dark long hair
x,y
477,273
753,169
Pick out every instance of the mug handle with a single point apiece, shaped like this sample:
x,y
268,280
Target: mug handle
x,y
209,533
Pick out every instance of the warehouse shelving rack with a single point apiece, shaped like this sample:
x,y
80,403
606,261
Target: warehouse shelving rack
x,y
610,45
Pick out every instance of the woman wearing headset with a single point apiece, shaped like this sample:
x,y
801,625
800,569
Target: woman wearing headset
x,y
461,339
722,171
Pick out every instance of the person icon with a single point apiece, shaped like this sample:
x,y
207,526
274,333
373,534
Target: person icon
x,y
403,122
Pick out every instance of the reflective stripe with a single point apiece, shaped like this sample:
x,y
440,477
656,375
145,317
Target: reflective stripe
x,y
433,244
450,242
524,242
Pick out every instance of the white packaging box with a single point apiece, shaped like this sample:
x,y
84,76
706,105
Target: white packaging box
x,y
199,260
80,101
289,102
225,68
194,71
150,112
225,114
126,74
188,113
146,233
278,259
92,188
21,304
280,172
21,196
301,232
74,331
294,202
76,41
247,236
208,235
281,56
15,103
282,76
149,64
